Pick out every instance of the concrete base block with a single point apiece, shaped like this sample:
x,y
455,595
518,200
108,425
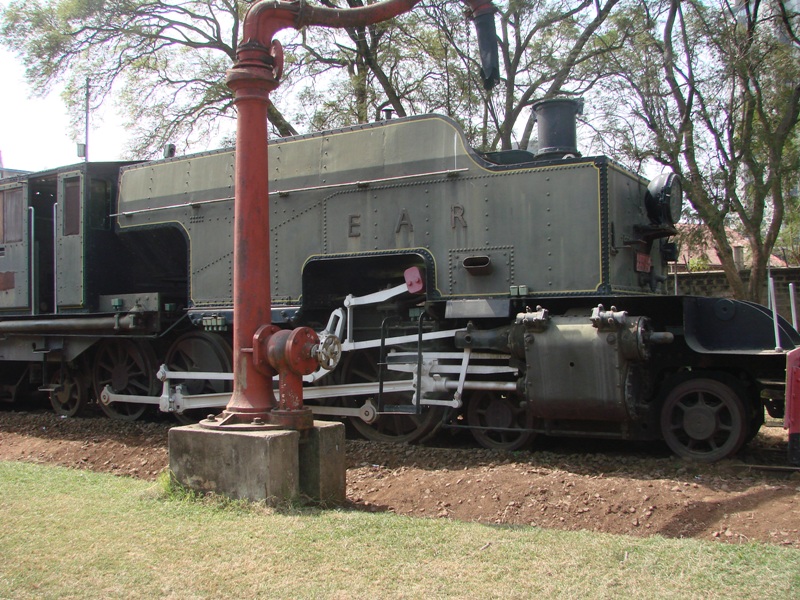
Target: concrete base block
x,y
271,465
253,465
322,463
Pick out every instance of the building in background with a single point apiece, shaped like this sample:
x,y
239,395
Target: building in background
x,y
697,252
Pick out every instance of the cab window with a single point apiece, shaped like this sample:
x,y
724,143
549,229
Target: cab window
x,y
11,216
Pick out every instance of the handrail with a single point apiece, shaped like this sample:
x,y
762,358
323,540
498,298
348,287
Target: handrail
x,y
357,184
55,257
32,259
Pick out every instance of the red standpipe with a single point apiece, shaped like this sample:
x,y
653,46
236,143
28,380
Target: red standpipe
x,y
256,73
260,349
251,79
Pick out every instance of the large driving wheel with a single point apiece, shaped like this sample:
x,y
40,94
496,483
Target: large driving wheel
x,y
362,366
511,419
198,351
704,420
129,368
69,395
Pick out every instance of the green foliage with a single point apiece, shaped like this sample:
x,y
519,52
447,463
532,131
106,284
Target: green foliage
x,y
699,263
788,244
162,62
170,489
547,48
710,92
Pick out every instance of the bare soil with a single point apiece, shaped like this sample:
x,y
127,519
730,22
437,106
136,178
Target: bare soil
x,y
573,485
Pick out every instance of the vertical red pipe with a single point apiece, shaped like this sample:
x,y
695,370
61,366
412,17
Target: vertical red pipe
x,y
259,61
251,79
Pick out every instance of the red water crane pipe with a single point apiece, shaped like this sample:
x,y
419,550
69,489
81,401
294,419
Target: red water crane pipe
x,y
256,73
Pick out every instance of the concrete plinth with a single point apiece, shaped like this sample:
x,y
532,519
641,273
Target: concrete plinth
x,y
254,465
322,463
262,465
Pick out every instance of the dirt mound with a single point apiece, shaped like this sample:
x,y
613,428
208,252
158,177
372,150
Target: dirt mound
x,y
612,488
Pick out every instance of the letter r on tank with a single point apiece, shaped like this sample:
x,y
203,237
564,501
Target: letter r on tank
x,y
457,216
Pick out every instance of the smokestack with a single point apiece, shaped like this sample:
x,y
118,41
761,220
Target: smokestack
x,y
557,120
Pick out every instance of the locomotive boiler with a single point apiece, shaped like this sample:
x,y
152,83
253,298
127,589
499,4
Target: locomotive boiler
x,y
508,293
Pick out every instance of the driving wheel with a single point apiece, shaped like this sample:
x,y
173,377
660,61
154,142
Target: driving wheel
x,y
200,352
362,366
129,368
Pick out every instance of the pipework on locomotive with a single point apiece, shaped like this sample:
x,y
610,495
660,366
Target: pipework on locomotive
x,y
509,293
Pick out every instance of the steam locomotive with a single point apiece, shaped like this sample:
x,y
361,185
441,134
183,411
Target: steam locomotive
x,y
508,293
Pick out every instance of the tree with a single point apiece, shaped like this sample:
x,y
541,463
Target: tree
x,y
710,90
163,61
427,61
548,48
406,65
348,76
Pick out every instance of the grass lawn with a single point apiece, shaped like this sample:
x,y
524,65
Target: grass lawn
x,y
77,534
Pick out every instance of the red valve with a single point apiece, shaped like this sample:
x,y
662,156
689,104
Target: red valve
x,y
292,354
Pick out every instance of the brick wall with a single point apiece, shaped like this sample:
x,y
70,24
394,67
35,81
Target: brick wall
x,y
714,283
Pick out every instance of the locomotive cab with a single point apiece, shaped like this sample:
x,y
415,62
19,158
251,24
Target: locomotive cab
x,y
60,254
69,284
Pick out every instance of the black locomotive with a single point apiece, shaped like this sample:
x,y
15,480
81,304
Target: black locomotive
x,y
510,293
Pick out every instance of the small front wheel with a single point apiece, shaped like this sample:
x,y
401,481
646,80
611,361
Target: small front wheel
x,y
499,422
704,420
68,395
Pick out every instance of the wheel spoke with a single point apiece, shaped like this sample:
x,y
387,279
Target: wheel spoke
x,y
139,385
363,375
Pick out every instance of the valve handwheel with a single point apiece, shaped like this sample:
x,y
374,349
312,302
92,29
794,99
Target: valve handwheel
x,y
328,352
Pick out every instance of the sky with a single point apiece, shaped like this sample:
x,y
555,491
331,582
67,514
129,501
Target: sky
x,y
34,132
